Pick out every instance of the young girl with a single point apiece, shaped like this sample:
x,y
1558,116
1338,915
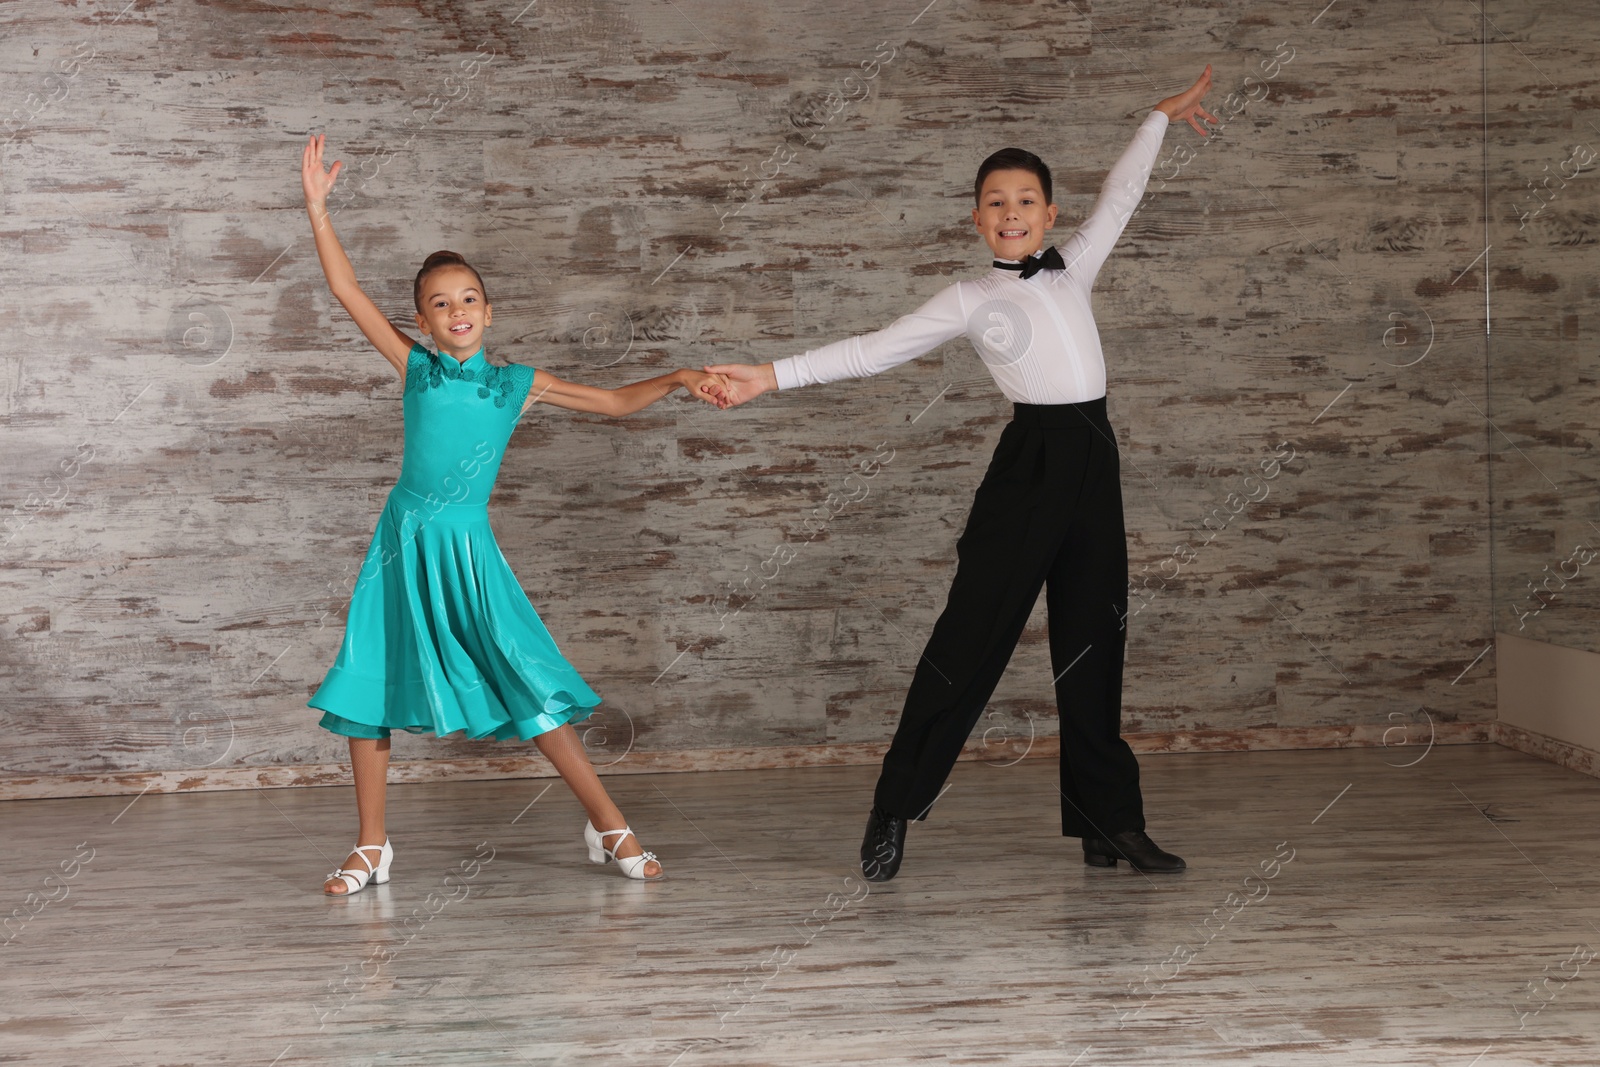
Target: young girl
x,y
440,636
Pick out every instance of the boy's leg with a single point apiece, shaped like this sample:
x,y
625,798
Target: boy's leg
x,y
1087,593
1003,557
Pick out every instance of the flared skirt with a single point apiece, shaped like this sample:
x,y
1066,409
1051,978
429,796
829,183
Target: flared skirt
x,y
441,639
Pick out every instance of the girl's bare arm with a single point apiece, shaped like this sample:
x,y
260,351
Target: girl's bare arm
x,y
384,335
625,400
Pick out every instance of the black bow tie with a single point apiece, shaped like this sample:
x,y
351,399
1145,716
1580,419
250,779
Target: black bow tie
x,y
1049,259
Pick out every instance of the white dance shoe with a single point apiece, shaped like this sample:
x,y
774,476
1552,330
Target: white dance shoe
x,y
632,866
356,879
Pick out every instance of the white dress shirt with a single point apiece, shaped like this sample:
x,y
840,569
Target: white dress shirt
x,y
1038,336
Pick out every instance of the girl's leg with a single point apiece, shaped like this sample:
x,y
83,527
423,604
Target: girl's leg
x,y
369,763
564,750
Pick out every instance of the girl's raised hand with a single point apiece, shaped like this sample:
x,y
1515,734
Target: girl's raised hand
x,y
707,387
1186,104
316,183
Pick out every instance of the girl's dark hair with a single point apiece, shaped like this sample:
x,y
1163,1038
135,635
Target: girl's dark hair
x,y
444,258
1013,159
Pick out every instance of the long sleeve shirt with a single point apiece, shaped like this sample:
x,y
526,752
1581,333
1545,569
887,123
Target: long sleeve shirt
x,y
1037,337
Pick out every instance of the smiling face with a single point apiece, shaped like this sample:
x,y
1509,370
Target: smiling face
x,y
1012,214
454,311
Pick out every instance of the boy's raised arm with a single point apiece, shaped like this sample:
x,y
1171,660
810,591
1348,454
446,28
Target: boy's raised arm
x,y
1086,250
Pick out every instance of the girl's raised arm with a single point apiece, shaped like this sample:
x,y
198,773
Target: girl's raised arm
x,y
384,335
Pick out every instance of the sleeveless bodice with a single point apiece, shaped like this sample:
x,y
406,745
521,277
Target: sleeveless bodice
x,y
458,419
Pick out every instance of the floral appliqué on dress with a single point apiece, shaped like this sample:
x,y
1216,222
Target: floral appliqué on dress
x,y
428,370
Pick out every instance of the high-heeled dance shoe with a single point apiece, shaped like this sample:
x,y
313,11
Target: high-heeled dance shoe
x,y
356,879
632,866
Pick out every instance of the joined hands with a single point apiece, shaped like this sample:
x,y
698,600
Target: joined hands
x,y
735,383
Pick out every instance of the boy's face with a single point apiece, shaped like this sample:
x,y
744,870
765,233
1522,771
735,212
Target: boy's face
x,y
1012,214
453,311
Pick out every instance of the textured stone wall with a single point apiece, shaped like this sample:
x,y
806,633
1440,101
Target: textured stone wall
x,y
198,441
1544,226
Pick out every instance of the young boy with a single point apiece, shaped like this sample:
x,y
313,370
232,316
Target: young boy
x,y
1048,512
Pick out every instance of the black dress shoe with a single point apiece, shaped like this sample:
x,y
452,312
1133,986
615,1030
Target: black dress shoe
x,y
884,846
1134,846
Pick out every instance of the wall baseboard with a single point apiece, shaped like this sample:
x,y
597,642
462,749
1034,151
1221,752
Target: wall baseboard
x,y
759,757
1572,757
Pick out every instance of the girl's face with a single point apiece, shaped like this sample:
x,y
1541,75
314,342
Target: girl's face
x,y
454,312
1012,214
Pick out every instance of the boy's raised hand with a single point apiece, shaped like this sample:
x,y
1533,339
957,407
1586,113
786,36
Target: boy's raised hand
x,y
1186,104
316,182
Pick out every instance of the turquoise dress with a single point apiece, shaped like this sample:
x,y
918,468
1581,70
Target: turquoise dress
x,y
440,637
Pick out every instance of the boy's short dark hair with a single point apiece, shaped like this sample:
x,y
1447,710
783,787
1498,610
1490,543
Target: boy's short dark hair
x,y
1012,159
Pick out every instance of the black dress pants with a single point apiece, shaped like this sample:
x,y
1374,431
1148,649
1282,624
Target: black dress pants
x,y
1048,513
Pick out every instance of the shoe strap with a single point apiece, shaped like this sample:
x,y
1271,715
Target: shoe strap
x,y
612,848
625,831
360,851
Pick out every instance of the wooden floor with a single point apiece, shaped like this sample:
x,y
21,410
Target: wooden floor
x,y
1440,913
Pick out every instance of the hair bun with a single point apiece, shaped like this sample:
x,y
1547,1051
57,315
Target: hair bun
x,y
443,258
